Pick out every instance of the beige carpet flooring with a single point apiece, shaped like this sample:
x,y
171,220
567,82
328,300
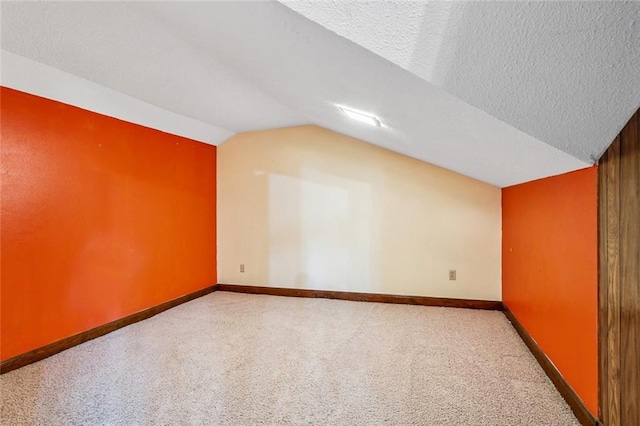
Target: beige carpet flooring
x,y
236,359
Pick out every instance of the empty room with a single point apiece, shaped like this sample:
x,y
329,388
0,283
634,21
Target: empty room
x,y
320,213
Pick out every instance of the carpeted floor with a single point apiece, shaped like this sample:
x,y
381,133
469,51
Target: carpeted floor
x,y
236,359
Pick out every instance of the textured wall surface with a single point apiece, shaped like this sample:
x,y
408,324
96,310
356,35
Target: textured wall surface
x,y
100,219
550,271
306,207
253,66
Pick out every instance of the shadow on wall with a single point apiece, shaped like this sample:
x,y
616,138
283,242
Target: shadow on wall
x,y
306,207
320,228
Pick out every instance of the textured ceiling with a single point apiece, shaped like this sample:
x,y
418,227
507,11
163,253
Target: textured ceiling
x,y
122,46
30,76
567,73
247,66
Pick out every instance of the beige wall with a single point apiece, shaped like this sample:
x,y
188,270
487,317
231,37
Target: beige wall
x,y
305,207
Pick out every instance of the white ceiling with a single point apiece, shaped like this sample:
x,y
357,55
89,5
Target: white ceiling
x,y
566,73
29,76
230,67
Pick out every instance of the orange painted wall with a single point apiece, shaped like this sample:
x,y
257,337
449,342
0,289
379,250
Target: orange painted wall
x,y
100,219
550,267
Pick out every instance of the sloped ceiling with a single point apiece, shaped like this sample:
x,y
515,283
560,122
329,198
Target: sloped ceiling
x,y
223,67
566,73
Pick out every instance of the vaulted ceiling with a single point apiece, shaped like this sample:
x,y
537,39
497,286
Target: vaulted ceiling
x,y
504,92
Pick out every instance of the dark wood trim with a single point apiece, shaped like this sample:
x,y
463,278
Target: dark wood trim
x,y
69,342
619,278
629,275
573,400
609,284
364,297
575,403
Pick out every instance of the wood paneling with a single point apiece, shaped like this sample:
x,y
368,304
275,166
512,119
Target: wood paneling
x,y
573,400
61,345
619,282
364,297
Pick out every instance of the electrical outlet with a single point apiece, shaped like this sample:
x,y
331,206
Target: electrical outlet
x,y
452,275
242,267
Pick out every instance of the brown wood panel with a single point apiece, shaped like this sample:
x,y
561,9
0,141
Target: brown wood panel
x,y
365,297
609,172
603,294
619,278
573,400
69,342
630,273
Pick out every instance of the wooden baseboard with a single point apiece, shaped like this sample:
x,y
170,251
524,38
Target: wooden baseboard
x,y
580,410
69,342
364,297
573,400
